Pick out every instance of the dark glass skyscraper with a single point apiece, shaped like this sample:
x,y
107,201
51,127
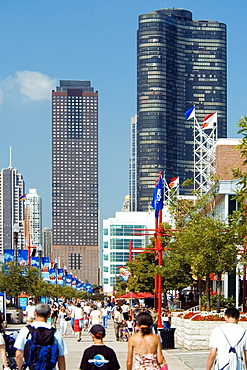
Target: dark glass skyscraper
x,y
75,178
180,62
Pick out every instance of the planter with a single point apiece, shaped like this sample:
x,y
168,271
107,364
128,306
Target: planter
x,y
194,335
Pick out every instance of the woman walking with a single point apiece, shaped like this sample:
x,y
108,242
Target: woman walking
x,y
145,345
62,322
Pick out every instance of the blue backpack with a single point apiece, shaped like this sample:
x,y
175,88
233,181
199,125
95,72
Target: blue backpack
x,y
41,349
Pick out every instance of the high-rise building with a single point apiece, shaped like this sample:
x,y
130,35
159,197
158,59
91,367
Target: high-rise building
x,y
133,163
75,178
34,215
46,241
181,62
12,212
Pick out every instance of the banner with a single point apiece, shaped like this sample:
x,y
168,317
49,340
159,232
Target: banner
x,y
22,257
124,273
9,255
35,262
89,288
68,280
45,263
78,284
73,283
52,276
60,276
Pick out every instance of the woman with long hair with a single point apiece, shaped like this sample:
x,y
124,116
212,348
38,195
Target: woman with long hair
x,y
145,346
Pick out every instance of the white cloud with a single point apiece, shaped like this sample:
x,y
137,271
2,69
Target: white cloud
x,y
27,85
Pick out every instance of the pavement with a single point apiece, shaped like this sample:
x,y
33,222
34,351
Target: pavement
x,y
177,359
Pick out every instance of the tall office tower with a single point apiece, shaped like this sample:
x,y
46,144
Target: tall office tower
x,y
46,241
34,214
12,212
180,63
75,178
133,164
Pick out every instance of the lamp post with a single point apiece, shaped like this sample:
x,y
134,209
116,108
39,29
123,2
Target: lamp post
x,y
15,230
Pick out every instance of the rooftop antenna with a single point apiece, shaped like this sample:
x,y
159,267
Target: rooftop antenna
x,y
10,157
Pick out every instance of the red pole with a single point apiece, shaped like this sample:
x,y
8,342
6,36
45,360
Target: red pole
x,y
159,245
29,251
130,250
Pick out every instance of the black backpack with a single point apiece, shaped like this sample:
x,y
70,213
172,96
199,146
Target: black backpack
x,y
41,350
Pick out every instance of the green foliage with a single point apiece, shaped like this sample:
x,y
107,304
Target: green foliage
x,y
224,302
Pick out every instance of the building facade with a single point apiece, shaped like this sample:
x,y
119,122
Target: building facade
x,y
117,234
12,210
75,178
34,215
46,241
133,164
181,62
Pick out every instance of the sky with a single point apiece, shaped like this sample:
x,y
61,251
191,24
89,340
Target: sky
x,y
45,41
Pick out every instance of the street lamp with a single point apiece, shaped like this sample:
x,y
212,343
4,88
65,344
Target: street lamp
x,y
15,230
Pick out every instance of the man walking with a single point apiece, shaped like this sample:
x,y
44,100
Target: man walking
x,y
42,312
229,343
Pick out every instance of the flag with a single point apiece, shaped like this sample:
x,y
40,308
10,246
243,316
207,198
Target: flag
x,y
190,113
208,121
124,273
174,182
22,197
157,202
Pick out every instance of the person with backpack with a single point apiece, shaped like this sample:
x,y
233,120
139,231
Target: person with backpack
x,y
39,347
99,355
229,343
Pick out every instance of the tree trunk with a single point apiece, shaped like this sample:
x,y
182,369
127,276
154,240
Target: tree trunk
x,y
218,289
208,293
200,294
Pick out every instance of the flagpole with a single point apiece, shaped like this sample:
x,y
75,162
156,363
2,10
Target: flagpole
x,y
159,289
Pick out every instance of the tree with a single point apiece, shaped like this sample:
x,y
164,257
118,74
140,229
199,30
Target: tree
x,y
210,247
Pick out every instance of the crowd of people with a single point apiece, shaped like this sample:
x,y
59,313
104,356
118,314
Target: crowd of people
x,y
228,342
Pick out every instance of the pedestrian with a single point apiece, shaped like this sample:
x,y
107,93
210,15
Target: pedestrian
x,y
78,317
2,344
63,321
42,312
95,316
54,315
30,312
125,311
99,355
104,314
118,319
155,320
145,345
229,343
166,318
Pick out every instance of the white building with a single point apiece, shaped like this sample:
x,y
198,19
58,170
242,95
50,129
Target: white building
x,y
117,233
12,188
34,213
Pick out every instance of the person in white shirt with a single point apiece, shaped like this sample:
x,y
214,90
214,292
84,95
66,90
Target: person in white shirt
x,y
30,311
229,343
95,316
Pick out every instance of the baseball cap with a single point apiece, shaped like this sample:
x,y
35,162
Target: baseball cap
x,y
98,330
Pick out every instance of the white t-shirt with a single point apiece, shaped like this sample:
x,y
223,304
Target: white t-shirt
x,y
233,332
30,311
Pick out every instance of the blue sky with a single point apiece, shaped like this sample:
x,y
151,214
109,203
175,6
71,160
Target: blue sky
x,y
48,40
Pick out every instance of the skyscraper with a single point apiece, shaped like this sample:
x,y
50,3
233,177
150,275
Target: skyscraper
x,y
12,212
75,178
181,62
34,212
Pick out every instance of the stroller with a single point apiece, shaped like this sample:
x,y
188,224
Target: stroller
x,y
10,349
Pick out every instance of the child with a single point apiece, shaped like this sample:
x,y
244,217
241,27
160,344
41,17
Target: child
x,y
99,355
130,325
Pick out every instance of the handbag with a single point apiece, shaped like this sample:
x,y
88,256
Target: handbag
x,y
67,318
164,367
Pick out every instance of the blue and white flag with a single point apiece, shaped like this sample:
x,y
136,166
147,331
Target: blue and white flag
x,y
158,197
190,113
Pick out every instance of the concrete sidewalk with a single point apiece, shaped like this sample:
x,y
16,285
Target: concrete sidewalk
x,y
177,359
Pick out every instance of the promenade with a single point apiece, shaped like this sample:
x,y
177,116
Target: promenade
x,y
177,359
